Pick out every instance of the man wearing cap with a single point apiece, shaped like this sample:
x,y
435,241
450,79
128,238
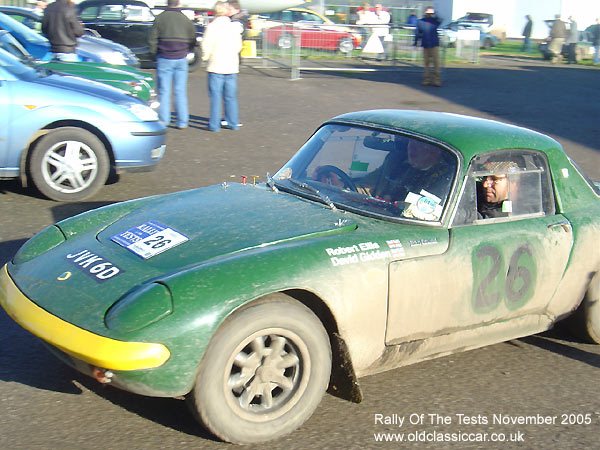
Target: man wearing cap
x,y
494,190
427,33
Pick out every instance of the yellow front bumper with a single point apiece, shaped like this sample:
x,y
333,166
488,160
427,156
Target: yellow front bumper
x,y
81,344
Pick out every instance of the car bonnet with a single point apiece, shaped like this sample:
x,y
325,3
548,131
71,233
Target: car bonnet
x,y
219,221
80,279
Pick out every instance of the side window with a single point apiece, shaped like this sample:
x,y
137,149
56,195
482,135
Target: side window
x,y
286,16
89,13
112,12
505,185
134,13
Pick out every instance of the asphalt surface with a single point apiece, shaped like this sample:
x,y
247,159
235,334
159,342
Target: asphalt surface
x,y
552,376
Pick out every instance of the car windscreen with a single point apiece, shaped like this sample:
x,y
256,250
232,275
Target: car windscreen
x,y
373,172
10,24
14,66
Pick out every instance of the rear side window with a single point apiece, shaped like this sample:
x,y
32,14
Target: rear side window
x,y
89,13
506,185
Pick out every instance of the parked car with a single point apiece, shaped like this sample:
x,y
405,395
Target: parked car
x,y
449,34
312,37
484,21
135,82
128,22
584,50
315,30
90,48
364,252
64,134
260,22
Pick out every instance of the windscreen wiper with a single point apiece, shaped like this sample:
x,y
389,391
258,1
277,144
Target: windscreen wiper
x,y
314,190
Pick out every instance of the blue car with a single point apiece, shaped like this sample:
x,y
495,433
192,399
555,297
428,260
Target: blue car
x,y
25,26
64,133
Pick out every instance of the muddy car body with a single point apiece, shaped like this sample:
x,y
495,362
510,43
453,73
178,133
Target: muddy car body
x,y
251,299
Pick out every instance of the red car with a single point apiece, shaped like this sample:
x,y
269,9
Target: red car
x,y
323,38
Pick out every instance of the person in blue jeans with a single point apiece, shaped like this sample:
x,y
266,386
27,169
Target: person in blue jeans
x,y
221,46
172,37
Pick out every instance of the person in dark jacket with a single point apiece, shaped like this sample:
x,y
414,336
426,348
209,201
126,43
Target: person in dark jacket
x,y
427,33
62,27
527,34
172,37
572,41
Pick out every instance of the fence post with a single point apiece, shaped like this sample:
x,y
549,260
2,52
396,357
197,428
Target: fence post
x,y
295,52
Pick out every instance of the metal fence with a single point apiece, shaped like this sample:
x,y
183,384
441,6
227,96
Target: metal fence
x,y
301,47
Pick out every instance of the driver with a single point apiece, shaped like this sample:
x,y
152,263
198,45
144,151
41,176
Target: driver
x,y
419,167
493,190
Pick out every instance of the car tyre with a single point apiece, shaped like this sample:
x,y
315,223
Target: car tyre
x,y
285,41
69,164
345,44
487,44
263,373
194,59
585,321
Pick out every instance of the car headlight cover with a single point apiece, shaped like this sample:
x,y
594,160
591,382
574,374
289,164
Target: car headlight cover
x,y
141,111
140,308
43,241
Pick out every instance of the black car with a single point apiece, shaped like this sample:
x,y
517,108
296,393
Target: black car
x,y
128,22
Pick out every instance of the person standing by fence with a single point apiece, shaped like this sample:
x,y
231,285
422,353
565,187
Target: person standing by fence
x,y
572,41
527,34
427,33
221,47
596,40
558,33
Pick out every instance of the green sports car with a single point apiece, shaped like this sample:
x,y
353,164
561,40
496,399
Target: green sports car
x,y
391,237
136,82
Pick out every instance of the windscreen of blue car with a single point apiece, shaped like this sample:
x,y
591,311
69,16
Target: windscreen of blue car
x,y
14,66
12,25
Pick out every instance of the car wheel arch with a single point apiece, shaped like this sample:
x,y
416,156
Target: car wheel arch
x,y
343,381
26,155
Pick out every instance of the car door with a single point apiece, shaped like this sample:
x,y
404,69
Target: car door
x,y
496,269
137,21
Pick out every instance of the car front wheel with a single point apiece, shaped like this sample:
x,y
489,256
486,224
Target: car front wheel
x,y
345,45
264,372
194,59
69,164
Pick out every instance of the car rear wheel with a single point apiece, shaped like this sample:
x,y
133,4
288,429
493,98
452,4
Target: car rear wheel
x,y
585,322
345,45
487,44
264,372
69,164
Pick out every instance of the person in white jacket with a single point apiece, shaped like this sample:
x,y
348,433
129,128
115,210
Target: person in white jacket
x,y
221,47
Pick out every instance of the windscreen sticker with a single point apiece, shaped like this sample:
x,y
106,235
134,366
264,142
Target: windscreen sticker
x,y
423,206
96,267
149,239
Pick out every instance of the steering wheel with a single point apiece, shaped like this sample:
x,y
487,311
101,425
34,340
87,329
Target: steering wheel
x,y
323,174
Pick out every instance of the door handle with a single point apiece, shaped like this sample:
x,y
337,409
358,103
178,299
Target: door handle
x,y
565,225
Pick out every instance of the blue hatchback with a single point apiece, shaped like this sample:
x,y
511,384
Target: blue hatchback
x,y
64,133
